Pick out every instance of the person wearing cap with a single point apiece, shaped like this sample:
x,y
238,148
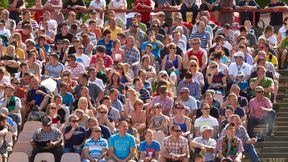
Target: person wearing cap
x,y
264,81
10,24
141,25
164,100
239,65
174,147
261,111
243,84
229,145
205,118
204,36
122,145
241,133
192,85
96,147
134,31
205,143
47,139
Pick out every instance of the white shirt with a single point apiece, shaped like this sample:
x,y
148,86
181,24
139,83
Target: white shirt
x,y
272,39
117,5
83,59
99,82
98,5
234,69
211,121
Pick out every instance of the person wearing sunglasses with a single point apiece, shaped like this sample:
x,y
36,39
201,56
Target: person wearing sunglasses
x,y
204,119
96,147
239,65
216,80
74,136
261,111
47,139
174,147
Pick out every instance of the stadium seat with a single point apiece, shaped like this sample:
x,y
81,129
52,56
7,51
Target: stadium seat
x,y
23,146
32,125
25,136
45,156
18,157
75,157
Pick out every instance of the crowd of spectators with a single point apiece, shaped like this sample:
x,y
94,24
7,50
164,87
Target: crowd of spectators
x,y
154,86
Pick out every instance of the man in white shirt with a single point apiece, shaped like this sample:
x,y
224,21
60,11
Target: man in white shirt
x,y
93,77
239,65
206,119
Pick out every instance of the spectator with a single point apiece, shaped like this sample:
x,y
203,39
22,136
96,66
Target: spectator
x,y
261,111
54,69
27,20
158,121
54,6
176,59
144,93
118,21
106,41
104,119
248,4
241,133
149,149
204,36
121,4
101,54
122,145
74,136
134,31
47,139
74,67
205,143
10,24
239,65
234,150
164,100
208,98
252,41
3,132
116,103
189,5
144,5
137,18
191,84
95,148
226,18
64,34
131,53
175,146
113,113
75,5
205,118
138,116
113,28
105,132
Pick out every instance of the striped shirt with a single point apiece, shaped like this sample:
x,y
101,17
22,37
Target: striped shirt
x,y
76,71
204,37
95,147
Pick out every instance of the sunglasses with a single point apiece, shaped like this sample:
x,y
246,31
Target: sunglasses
x,y
213,67
183,92
179,108
103,112
206,108
195,43
260,92
177,130
158,107
193,65
74,121
97,130
68,60
53,108
47,125
17,83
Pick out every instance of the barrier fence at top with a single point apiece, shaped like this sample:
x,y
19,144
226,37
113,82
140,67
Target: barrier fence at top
x,y
240,10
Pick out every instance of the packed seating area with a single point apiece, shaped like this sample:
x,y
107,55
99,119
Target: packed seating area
x,y
192,81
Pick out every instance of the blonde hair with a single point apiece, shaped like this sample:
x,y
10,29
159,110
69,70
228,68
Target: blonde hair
x,y
193,62
81,100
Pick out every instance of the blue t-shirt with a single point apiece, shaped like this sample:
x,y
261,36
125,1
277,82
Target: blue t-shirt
x,y
149,149
155,48
68,98
95,147
77,137
122,145
108,46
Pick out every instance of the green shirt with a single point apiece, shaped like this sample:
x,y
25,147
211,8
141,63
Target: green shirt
x,y
265,83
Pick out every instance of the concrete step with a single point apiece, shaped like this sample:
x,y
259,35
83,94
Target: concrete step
x,y
281,123
281,128
273,155
275,149
281,133
278,118
272,144
278,137
282,114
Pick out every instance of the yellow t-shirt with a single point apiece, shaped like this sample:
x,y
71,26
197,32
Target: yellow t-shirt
x,y
114,32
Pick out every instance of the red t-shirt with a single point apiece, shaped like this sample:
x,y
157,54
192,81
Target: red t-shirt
x,y
145,15
107,60
199,56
